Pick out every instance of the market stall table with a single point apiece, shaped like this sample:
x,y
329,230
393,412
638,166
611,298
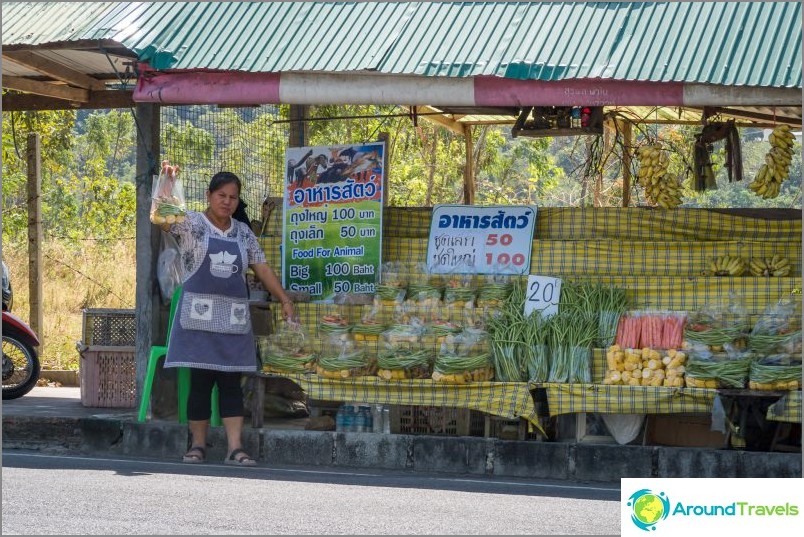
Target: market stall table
x,y
747,411
511,400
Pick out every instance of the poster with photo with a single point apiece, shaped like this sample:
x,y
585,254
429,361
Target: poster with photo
x,y
332,220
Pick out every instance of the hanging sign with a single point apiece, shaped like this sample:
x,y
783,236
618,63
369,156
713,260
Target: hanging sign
x,y
481,240
332,220
542,294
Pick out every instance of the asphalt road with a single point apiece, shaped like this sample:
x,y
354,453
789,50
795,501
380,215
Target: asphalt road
x,y
51,494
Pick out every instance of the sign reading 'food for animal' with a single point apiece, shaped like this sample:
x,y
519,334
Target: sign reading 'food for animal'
x,y
332,220
481,240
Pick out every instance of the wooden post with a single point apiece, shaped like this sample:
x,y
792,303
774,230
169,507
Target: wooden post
x,y
35,234
299,130
386,158
608,132
627,141
147,244
469,168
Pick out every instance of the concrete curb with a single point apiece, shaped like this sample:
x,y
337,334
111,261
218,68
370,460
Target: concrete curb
x,y
449,455
65,377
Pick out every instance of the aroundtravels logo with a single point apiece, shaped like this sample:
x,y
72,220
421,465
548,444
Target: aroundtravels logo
x,y
648,508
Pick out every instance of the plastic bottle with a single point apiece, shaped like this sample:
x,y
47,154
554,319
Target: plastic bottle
x,y
386,420
376,418
366,420
576,117
340,419
348,418
586,116
360,420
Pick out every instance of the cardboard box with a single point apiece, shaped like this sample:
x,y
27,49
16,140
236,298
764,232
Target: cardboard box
x,y
683,430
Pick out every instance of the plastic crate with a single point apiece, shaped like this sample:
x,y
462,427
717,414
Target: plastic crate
x,y
436,420
108,376
109,327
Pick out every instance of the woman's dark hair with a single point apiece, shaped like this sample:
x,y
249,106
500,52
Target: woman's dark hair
x,y
224,178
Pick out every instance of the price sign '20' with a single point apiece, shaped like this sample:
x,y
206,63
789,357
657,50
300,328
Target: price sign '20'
x,y
543,294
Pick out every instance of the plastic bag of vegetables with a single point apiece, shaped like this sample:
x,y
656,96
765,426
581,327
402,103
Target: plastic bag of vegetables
x,y
285,352
167,202
776,331
393,284
464,358
341,359
775,372
715,372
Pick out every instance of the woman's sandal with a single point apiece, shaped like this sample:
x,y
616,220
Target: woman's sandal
x,y
245,460
195,455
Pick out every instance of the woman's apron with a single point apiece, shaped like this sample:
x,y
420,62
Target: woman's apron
x,y
212,328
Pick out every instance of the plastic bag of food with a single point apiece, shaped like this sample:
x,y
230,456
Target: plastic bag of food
x,y
393,283
459,286
717,324
777,330
402,355
717,372
369,327
333,323
167,202
496,287
340,358
169,268
464,358
424,288
775,372
286,351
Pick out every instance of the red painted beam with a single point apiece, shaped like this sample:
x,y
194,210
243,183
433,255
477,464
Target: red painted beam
x,y
204,87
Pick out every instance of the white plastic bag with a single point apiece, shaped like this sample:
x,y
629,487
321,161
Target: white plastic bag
x,y
169,269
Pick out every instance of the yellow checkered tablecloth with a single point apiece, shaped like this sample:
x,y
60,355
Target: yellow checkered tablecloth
x,y
788,408
570,398
510,400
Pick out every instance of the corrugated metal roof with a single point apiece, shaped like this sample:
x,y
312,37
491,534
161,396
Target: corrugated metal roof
x,y
724,43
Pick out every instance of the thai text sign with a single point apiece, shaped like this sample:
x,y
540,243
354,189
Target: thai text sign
x,y
481,240
332,220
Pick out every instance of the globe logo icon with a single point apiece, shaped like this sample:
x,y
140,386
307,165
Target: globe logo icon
x,y
648,508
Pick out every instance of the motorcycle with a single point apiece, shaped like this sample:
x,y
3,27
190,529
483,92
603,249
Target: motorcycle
x,y
20,361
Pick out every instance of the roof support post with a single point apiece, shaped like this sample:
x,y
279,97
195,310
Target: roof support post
x,y
35,233
299,130
147,244
627,148
469,168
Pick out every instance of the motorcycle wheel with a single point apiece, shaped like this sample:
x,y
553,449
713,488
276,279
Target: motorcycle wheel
x,y
20,365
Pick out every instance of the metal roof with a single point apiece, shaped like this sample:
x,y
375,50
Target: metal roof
x,y
725,43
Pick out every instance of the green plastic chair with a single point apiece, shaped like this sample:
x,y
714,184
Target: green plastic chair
x,y
183,378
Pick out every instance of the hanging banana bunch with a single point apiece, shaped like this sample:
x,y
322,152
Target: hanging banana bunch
x,y
661,188
769,266
769,178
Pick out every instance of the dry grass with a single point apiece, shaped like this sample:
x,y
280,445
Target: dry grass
x,y
73,278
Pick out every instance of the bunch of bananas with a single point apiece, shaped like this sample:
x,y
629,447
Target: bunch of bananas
x,y
769,266
727,265
776,169
661,188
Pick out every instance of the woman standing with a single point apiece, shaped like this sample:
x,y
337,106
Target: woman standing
x,y
212,334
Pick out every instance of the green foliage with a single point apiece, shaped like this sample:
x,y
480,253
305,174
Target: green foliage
x,y
87,175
